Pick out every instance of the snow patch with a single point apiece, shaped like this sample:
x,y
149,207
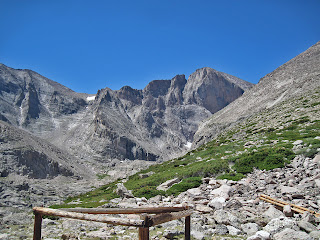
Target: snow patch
x,y
91,98
188,145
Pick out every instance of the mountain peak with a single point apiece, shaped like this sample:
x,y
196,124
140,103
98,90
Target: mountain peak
x,y
297,76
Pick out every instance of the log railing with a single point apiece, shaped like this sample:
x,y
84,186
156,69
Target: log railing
x,y
294,207
148,217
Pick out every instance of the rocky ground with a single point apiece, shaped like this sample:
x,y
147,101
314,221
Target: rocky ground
x,y
223,209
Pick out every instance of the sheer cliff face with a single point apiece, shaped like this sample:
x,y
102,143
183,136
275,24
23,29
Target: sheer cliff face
x,y
154,123
297,76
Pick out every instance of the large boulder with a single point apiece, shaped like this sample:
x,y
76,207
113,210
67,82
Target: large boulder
x,y
290,234
166,185
278,224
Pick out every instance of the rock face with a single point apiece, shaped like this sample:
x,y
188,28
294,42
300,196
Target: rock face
x,y
24,154
297,76
157,122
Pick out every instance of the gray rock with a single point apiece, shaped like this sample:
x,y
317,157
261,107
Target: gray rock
x,y
290,234
250,228
221,229
167,184
226,218
308,217
233,231
315,234
145,175
170,234
287,211
224,191
286,189
197,235
217,203
122,191
298,142
278,224
260,235
233,204
203,208
306,226
272,213
194,192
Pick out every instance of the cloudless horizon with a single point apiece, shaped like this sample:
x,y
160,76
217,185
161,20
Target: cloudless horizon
x,y
90,45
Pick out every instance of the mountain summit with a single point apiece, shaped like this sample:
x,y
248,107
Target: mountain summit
x,y
295,77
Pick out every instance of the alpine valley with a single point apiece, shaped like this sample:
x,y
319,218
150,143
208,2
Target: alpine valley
x,y
213,141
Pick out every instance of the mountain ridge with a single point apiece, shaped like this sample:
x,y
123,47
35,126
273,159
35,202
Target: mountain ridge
x,y
147,124
298,75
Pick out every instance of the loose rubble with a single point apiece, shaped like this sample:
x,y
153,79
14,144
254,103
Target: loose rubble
x,y
223,209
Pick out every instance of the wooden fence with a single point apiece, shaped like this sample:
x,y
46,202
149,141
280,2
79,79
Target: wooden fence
x,y
148,217
294,207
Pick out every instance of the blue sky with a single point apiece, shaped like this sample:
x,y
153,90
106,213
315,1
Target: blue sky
x,y
89,45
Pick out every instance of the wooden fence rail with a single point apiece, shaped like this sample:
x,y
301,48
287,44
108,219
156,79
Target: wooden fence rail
x,y
294,207
160,215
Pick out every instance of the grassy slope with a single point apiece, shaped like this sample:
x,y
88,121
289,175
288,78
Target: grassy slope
x,y
265,141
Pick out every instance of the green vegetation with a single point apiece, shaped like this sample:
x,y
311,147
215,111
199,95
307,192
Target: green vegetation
x,y
231,176
186,169
264,158
91,199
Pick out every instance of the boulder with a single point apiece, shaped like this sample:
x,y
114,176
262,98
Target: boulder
x,y
123,192
306,226
226,218
233,231
287,211
221,229
272,213
194,192
145,175
202,208
298,142
217,203
315,234
224,191
290,234
197,235
260,235
250,228
278,224
166,185
233,204
286,189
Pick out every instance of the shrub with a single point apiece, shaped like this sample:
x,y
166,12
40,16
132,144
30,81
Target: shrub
x,y
231,176
147,192
265,158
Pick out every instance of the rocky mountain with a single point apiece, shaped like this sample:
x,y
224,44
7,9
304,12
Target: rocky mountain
x,y
24,154
157,122
223,195
295,77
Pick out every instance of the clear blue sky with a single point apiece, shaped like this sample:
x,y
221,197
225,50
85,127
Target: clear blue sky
x,y
93,44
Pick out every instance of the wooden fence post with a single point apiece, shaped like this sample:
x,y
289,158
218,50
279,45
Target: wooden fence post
x,y
144,231
187,228
37,226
